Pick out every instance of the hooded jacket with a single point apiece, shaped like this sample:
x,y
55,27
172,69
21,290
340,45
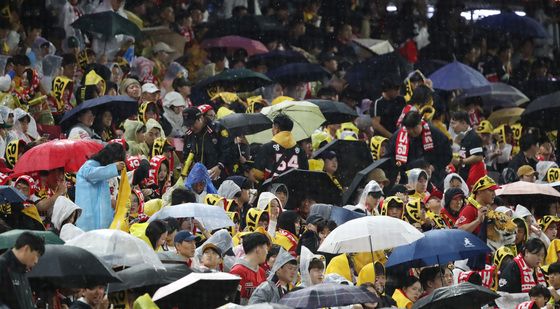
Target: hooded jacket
x,y
134,147
371,186
199,173
62,209
305,259
447,183
264,204
228,189
413,176
269,291
251,278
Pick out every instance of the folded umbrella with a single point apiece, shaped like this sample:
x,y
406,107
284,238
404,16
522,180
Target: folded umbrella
x,y
543,111
245,124
276,58
108,24
121,108
369,234
353,156
71,267
65,153
335,112
11,195
145,275
307,118
495,95
8,239
117,248
211,217
234,42
438,247
328,295
457,75
509,22
293,73
462,296
303,184
508,116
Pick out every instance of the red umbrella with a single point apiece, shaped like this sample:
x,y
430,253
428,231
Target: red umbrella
x,y
234,42
70,154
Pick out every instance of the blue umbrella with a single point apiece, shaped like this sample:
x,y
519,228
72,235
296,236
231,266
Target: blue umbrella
x,y
298,72
514,24
11,195
121,107
335,213
438,247
327,295
457,76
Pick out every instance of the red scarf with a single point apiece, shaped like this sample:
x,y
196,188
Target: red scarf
x,y
526,305
405,110
403,142
487,276
526,275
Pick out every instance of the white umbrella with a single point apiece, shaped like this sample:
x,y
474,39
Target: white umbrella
x,y
211,217
307,117
190,280
527,188
116,248
368,234
376,46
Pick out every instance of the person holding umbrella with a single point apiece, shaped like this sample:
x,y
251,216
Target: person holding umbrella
x,y
83,129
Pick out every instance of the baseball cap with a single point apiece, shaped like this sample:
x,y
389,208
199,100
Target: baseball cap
x,y
160,46
209,245
485,183
183,236
526,170
204,108
190,115
150,88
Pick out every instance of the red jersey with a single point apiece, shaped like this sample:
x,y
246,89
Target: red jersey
x,y
250,280
467,215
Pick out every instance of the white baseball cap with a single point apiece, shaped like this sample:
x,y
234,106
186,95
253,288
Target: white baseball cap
x,y
149,88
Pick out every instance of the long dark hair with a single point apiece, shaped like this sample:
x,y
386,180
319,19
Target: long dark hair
x,y
111,153
287,221
154,231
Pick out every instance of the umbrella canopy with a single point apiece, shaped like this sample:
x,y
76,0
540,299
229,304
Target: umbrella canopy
x,y
245,124
361,179
464,295
334,213
72,267
508,116
368,234
145,275
294,73
69,154
303,183
199,290
108,24
353,156
211,217
255,27
8,239
236,42
243,80
543,111
117,248
495,95
374,46
121,107
457,75
307,117
335,112
509,22
328,295
275,59
11,195
438,247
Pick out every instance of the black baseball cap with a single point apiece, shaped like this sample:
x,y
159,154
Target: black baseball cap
x,y
190,115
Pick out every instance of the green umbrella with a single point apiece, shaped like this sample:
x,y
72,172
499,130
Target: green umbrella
x,y
108,24
243,80
8,239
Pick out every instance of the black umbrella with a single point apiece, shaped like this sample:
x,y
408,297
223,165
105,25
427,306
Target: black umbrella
x,y
464,295
293,73
243,80
71,267
543,112
302,184
361,177
121,107
145,275
107,24
328,295
335,112
495,95
337,214
260,28
353,156
246,124
275,59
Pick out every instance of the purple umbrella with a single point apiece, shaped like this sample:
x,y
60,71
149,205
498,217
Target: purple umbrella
x,y
235,42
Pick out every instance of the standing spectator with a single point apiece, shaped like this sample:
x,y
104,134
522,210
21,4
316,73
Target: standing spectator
x,y
14,263
471,155
386,110
527,155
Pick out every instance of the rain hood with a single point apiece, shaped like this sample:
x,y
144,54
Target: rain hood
x,y
447,183
282,258
305,259
371,186
199,173
265,199
63,208
228,189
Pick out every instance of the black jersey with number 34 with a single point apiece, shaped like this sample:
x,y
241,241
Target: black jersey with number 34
x,y
274,159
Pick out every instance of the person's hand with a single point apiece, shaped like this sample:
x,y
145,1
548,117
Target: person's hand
x,y
120,165
147,192
104,304
482,213
215,172
199,225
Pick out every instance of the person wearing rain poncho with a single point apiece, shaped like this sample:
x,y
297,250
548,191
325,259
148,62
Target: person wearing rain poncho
x,y
223,241
270,203
279,282
25,127
418,181
64,212
369,200
311,268
453,180
236,188
542,169
199,182
134,133
172,121
349,265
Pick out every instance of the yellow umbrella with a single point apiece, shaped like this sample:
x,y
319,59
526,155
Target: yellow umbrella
x,y
507,116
